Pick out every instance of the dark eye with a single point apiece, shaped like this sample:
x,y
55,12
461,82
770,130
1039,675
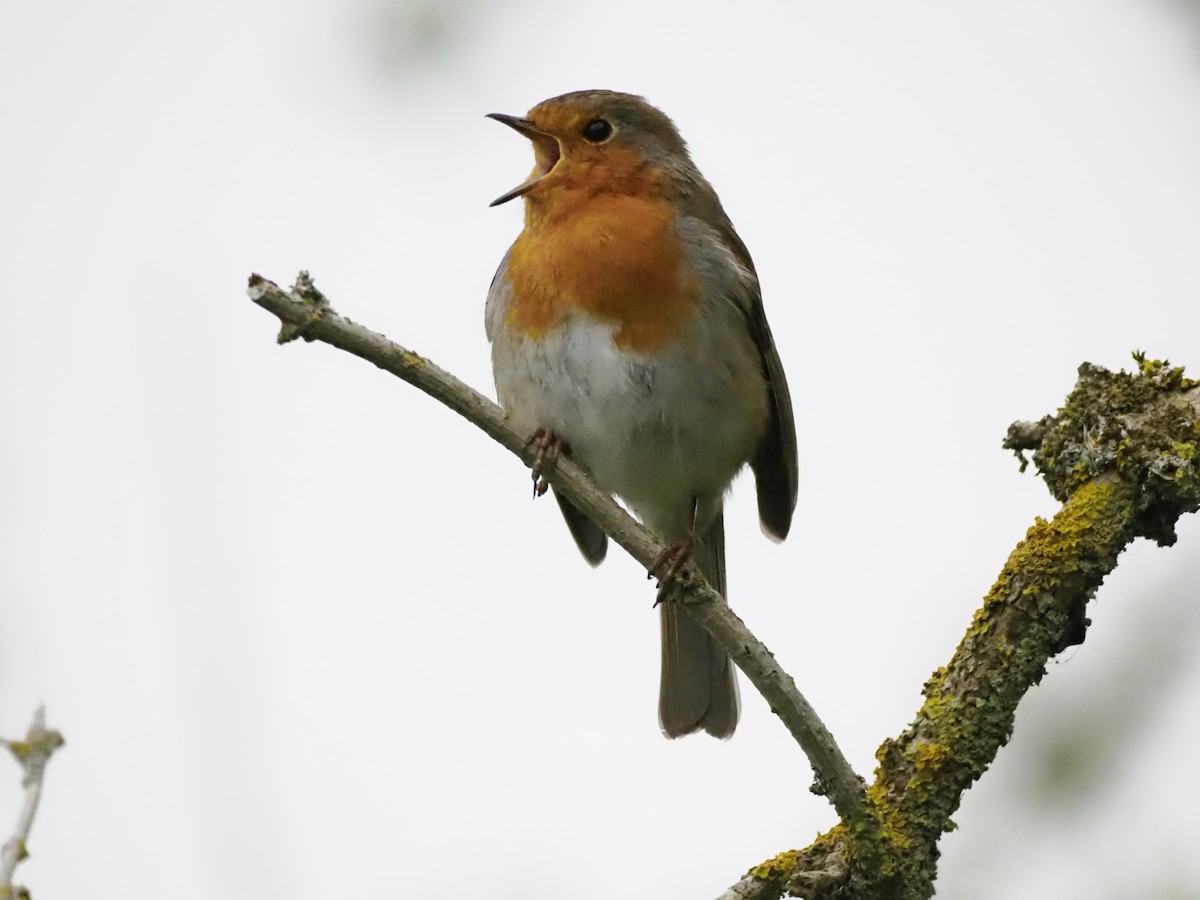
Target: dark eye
x,y
597,131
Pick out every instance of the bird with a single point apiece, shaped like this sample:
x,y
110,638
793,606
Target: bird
x,y
628,332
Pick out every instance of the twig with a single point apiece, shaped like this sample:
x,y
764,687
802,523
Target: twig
x,y
32,753
306,313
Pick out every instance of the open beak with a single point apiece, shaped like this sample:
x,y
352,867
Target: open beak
x,y
545,151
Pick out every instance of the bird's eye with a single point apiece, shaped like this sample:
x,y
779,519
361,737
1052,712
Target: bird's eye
x,y
597,131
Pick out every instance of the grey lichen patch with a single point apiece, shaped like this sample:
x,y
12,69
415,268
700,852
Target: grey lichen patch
x,y
819,872
315,304
1141,425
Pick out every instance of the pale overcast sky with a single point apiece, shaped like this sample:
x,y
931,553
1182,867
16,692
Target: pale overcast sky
x,y
304,630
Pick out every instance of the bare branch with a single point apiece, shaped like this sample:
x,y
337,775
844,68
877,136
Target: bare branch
x,y
306,313
32,753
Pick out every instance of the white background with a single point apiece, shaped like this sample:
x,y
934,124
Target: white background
x,y
303,629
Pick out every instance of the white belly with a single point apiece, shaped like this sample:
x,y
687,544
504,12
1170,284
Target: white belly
x,y
662,430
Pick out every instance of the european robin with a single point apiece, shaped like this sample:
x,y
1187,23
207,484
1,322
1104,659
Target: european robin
x,y
628,330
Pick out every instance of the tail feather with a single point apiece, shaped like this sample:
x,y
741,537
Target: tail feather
x,y
699,689
589,538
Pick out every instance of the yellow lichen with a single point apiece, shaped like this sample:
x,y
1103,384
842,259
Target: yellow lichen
x,y
778,868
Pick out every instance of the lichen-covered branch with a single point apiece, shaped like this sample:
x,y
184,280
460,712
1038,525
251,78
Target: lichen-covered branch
x,y
32,753
1121,455
306,313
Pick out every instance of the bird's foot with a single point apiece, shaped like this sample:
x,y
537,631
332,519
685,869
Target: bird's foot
x,y
546,447
667,564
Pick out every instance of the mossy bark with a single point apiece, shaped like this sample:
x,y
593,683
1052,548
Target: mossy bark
x,y
1121,456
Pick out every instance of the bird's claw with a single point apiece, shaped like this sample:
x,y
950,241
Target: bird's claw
x,y
546,447
668,563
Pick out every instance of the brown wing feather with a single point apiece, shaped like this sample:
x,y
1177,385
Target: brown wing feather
x,y
775,466
776,470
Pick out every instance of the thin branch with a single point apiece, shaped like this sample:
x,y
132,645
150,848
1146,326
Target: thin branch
x,y
32,753
306,313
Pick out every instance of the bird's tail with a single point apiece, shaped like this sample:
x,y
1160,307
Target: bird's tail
x,y
699,689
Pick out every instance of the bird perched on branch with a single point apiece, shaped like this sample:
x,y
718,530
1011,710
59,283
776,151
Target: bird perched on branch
x,y
628,331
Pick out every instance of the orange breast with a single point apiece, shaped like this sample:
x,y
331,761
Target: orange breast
x,y
615,257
